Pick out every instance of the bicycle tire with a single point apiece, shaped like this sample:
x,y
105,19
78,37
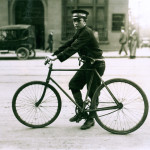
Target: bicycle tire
x,y
134,111
24,109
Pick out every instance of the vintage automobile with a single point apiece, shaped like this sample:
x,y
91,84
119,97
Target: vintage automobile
x,y
18,38
145,42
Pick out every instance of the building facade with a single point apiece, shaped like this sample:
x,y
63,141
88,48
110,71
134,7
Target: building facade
x,y
106,17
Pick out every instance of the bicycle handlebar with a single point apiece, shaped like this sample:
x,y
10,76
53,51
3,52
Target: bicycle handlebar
x,y
46,61
93,60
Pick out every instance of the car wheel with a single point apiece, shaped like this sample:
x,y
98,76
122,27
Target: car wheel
x,y
32,53
22,53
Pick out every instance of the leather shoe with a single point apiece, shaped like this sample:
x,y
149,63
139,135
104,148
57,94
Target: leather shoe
x,y
75,118
88,124
78,117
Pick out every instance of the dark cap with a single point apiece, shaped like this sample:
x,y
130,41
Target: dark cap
x,y
78,13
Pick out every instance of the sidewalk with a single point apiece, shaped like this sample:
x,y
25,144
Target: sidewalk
x,y
40,54
140,53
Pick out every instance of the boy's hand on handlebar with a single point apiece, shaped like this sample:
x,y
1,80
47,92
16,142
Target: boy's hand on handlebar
x,y
50,57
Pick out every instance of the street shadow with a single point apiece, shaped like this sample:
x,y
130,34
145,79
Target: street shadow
x,y
43,57
142,56
15,58
126,57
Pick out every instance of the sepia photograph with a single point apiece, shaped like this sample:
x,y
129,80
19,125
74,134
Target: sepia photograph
x,y
74,74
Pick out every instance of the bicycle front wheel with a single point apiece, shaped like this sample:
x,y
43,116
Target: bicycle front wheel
x,y
134,106
25,109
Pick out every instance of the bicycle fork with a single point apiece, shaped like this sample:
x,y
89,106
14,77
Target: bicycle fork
x,y
46,85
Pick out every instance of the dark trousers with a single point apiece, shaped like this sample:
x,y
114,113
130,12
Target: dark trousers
x,y
123,47
82,78
50,46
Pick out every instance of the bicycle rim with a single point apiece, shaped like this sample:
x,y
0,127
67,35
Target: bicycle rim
x,y
133,113
27,113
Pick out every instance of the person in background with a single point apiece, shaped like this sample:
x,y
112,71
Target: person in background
x,y
123,41
50,42
96,35
95,32
85,44
133,43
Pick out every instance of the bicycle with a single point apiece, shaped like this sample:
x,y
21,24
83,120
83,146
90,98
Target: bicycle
x,y
122,106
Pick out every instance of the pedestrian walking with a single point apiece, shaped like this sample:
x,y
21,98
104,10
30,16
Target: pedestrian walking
x,y
50,42
96,35
133,43
123,41
85,43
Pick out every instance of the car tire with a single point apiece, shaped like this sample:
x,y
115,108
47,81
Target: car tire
x,y
22,53
32,53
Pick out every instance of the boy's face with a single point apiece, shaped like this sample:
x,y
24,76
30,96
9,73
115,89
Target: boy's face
x,y
79,23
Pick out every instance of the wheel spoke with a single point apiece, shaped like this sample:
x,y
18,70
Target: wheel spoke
x,y
133,113
25,109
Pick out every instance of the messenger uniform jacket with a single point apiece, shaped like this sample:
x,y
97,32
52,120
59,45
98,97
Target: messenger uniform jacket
x,y
82,42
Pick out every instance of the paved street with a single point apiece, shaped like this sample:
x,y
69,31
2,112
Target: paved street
x,y
63,135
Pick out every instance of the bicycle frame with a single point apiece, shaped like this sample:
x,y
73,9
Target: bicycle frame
x,y
49,78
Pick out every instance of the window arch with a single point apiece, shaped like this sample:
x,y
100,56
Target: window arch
x,y
42,24
31,12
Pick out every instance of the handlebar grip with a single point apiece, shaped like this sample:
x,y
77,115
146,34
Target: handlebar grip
x,y
46,62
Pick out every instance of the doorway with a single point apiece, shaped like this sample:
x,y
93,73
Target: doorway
x,y
31,12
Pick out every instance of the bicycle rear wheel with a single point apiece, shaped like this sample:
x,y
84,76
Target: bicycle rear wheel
x,y
133,113
25,110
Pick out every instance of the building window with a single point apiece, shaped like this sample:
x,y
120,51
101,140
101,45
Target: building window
x,y
97,18
118,20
